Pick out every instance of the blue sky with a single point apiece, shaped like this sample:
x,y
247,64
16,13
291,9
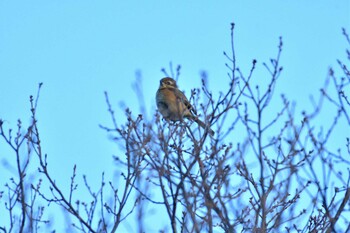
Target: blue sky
x,y
79,49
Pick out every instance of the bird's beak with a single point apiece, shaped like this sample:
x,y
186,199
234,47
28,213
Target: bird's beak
x,y
161,84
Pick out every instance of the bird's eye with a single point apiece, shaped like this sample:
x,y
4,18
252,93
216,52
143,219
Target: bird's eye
x,y
168,82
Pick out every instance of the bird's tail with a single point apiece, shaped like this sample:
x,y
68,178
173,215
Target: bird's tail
x,y
204,126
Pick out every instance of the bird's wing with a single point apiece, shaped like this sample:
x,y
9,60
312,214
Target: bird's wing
x,y
179,94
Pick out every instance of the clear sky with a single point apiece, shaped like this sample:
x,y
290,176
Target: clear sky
x,y
79,49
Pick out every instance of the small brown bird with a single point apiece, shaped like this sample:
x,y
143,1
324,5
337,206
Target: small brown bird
x,y
174,105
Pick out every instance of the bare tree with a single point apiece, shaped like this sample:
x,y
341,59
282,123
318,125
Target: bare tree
x,y
266,169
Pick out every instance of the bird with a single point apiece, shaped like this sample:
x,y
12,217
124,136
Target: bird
x,y
173,104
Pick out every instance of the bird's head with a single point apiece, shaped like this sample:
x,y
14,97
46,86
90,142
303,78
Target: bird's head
x,y
167,82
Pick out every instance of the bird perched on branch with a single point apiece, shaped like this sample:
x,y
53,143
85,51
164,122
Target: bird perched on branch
x,y
173,104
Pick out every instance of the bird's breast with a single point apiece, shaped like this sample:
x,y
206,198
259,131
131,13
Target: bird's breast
x,y
170,105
